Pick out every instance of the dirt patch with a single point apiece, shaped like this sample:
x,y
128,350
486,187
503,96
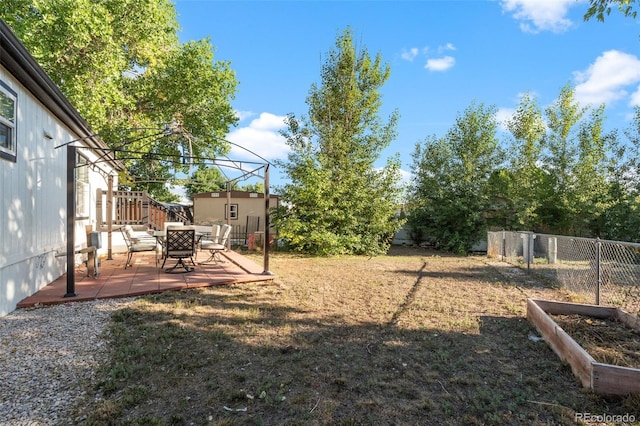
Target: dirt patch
x,y
608,341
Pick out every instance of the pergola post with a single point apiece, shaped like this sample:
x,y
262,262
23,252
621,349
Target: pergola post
x,y
71,214
228,213
266,221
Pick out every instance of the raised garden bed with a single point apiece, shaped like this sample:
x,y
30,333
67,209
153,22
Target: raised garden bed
x,y
602,378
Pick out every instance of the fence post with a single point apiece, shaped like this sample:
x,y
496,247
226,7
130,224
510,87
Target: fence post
x,y
598,269
527,248
532,238
552,253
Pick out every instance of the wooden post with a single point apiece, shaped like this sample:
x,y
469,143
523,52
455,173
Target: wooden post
x,y
109,216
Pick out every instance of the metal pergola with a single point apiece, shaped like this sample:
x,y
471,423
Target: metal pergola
x,y
247,168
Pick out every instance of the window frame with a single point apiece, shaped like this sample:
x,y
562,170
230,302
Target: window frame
x,y
10,152
83,187
233,212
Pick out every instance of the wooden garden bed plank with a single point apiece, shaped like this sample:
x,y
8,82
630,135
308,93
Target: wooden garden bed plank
x,y
562,344
602,378
627,319
566,308
613,379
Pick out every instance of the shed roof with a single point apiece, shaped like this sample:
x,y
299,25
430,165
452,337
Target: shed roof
x,y
234,194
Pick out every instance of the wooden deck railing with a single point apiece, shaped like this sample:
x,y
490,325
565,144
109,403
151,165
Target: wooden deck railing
x,y
135,208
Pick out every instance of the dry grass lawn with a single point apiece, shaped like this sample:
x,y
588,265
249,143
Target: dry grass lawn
x,y
414,337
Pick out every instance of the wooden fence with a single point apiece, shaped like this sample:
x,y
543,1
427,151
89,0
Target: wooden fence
x,y
135,208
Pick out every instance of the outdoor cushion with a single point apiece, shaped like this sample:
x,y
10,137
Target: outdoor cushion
x,y
138,237
144,246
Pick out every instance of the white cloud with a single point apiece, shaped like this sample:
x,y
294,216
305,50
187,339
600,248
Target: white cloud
x,y
260,136
540,15
608,78
440,64
433,64
503,115
446,47
405,177
635,98
244,114
410,54
181,192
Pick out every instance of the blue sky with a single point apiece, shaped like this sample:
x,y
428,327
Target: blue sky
x,y
443,56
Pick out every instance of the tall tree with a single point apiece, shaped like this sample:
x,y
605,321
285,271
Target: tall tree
x,y
622,215
559,187
452,180
594,172
337,201
120,64
527,127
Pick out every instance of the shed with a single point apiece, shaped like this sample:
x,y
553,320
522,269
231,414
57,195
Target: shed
x,y
246,209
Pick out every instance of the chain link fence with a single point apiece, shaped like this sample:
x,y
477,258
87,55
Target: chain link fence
x,y
607,272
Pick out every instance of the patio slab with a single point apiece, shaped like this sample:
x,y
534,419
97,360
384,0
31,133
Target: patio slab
x,y
144,277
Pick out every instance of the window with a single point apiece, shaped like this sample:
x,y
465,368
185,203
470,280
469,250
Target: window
x,y
233,211
7,122
82,187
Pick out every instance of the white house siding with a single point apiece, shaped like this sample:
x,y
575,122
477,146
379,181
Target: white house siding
x,y
33,213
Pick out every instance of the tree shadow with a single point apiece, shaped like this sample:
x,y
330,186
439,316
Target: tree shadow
x,y
195,355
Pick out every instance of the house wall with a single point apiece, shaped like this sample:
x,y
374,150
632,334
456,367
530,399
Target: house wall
x,y
33,196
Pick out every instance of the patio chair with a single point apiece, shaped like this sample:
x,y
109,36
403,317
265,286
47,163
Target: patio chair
x,y
215,246
206,233
137,246
138,236
161,236
172,224
180,243
209,235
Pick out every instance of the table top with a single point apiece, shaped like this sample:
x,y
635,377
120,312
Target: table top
x,y
161,233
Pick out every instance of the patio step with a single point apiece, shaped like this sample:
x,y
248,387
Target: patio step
x,y
246,264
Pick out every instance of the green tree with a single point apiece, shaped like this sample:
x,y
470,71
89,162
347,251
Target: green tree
x,y
622,215
205,179
451,189
336,201
579,164
595,172
558,190
253,187
600,8
120,64
522,186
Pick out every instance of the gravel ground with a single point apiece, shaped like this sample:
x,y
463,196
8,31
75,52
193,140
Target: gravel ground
x,y
48,356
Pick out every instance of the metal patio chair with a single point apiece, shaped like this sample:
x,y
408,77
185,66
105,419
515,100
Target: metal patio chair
x,y
180,243
216,245
136,246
